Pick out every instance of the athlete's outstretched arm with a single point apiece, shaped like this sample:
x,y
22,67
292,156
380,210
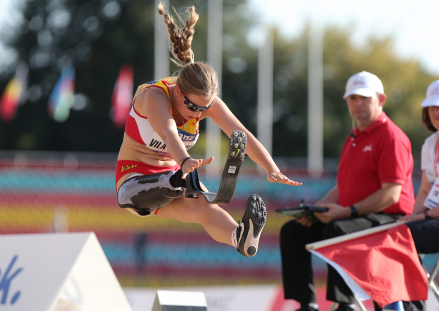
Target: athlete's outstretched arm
x,y
227,121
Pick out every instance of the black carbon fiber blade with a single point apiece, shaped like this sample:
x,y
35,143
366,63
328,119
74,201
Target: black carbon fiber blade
x,y
229,178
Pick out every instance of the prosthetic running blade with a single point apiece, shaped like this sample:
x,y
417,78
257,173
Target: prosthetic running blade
x,y
238,144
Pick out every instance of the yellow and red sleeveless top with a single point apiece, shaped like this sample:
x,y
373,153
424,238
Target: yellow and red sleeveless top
x,y
141,131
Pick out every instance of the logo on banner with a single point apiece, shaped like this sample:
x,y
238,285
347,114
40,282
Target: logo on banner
x,y
6,277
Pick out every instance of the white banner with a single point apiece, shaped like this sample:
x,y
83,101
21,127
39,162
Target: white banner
x,y
218,298
50,272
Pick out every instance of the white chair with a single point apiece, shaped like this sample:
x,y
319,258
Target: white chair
x,y
358,302
431,283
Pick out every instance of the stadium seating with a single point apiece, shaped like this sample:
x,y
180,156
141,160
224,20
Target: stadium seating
x,y
37,194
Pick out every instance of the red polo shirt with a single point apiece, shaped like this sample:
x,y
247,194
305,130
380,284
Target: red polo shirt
x,y
381,153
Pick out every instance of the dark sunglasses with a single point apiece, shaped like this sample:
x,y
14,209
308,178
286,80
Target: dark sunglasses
x,y
193,107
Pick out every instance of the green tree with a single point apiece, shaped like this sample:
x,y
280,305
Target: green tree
x,y
404,81
96,37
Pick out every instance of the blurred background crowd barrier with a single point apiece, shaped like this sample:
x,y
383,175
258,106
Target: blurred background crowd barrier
x,y
58,192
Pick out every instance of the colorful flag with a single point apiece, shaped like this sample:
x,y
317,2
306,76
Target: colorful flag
x,y
14,94
382,265
122,96
62,97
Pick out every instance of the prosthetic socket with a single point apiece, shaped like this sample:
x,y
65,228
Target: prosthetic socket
x,y
144,194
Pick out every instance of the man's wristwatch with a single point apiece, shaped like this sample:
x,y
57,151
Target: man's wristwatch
x,y
354,212
427,216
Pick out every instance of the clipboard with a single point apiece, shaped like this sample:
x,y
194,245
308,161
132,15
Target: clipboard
x,y
302,210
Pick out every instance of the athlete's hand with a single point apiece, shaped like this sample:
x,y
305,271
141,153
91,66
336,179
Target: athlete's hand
x,y
192,164
280,178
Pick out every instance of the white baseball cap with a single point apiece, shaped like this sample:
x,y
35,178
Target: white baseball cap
x,y
363,83
432,95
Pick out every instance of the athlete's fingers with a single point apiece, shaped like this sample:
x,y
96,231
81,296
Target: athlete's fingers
x,y
185,172
192,164
286,180
292,182
280,178
206,161
188,167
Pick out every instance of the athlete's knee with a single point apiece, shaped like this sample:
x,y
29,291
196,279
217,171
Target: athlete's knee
x,y
145,194
199,210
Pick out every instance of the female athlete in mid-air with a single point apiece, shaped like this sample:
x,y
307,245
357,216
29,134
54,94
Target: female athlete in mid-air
x,y
162,125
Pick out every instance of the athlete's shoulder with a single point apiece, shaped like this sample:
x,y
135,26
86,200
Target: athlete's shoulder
x,y
162,84
169,80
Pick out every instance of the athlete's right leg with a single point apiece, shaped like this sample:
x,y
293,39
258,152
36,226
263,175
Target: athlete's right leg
x,y
219,224
216,221
148,194
153,194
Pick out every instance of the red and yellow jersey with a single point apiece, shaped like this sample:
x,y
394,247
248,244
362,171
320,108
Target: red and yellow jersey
x,y
141,131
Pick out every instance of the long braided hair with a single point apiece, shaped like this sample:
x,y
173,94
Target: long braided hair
x,y
194,77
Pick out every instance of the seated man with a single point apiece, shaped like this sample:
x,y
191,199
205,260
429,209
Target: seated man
x,y
374,187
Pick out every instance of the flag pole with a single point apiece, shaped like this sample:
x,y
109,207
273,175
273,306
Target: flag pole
x,y
353,235
315,97
161,46
214,57
265,91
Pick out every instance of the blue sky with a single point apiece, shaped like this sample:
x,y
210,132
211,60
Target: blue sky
x,y
413,23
